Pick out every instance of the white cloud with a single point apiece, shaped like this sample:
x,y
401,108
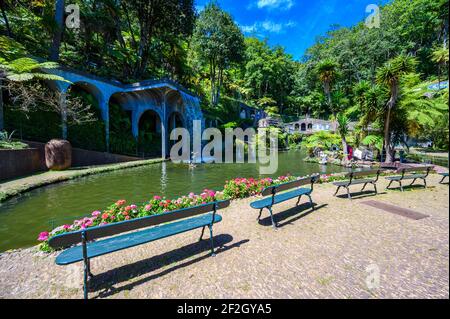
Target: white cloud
x,y
275,4
268,26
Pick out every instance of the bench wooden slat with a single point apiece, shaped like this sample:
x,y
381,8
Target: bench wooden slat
x,y
414,176
415,169
69,239
289,185
363,173
267,202
114,244
354,182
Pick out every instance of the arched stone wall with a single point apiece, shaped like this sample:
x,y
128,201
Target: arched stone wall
x,y
163,97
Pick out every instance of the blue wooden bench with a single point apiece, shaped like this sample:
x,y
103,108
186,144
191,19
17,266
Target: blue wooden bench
x,y
354,178
276,195
149,229
421,172
444,176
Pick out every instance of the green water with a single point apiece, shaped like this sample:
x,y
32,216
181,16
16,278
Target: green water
x,y
23,217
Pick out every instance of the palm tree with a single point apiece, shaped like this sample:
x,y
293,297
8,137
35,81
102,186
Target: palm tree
x,y
327,73
389,75
343,122
440,56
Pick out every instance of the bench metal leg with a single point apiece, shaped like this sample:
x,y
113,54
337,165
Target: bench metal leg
x,y
375,187
337,191
259,216
414,180
364,187
388,187
212,240
425,182
298,202
442,180
85,281
86,267
401,186
203,232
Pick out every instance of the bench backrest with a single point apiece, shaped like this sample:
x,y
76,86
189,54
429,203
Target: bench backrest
x,y
355,175
72,238
272,190
417,169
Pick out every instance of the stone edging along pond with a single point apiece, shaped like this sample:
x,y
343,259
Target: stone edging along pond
x,y
22,185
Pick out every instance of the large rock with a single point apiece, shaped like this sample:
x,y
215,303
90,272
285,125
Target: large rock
x,y
58,155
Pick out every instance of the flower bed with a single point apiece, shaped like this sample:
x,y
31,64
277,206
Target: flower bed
x,y
237,188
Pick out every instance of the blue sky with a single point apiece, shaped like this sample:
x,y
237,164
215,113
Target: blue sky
x,y
294,24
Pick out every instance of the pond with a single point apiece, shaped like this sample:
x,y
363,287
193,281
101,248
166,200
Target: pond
x,y
23,217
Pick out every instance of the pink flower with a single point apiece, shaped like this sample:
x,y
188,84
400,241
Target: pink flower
x,y
43,236
66,227
105,216
96,213
157,198
148,207
121,202
133,207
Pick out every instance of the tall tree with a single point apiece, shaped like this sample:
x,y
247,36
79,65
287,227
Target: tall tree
x,y
58,30
389,75
160,18
218,42
327,72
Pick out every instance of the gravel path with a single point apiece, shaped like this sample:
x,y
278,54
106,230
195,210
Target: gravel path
x,y
333,252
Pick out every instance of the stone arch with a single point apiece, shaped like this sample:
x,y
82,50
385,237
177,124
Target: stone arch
x,y
176,120
303,127
310,126
149,135
90,88
297,127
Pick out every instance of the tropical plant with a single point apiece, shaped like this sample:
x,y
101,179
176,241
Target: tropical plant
x,y
440,56
375,141
7,141
343,123
327,72
389,75
321,140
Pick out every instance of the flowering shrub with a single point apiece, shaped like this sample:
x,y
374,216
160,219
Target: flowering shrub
x,y
120,211
246,187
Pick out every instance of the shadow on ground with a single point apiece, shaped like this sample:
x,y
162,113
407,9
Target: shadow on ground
x,y
107,280
359,195
284,218
409,187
